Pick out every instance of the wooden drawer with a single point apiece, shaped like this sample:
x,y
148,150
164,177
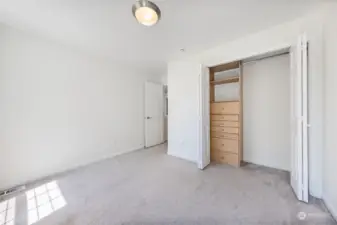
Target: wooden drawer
x,y
224,124
225,145
225,108
231,130
225,117
224,135
226,158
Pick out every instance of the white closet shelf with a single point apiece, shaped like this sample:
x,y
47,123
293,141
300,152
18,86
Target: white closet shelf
x,y
226,80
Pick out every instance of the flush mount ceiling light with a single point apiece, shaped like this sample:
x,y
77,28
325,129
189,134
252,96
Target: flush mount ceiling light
x,y
146,12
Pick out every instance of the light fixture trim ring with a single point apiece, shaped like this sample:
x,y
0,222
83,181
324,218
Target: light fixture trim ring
x,y
145,3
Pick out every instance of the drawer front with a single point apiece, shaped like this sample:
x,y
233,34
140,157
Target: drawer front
x,y
225,117
231,130
224,124
225,145
225,158
224,135
225,108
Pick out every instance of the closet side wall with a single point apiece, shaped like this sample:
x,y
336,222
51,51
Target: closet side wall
x,y
266,112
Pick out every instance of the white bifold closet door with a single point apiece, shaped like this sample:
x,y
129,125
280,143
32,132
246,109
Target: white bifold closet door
x,y
299,119
204,152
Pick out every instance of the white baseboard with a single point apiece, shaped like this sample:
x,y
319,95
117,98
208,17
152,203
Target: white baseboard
x,y
331,207
98,160
74,168
127,151
181,157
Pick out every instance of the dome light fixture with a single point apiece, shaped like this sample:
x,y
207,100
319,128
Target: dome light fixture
x,y
146,12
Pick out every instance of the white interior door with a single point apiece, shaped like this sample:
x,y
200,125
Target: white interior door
x,y
204,157
299,119
154,114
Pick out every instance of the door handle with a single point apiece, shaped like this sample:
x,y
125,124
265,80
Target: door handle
x,y
148,117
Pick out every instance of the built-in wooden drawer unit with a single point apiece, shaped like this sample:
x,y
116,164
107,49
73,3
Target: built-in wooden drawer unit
x,y
225,117
224,135
224,124
225,108
231,130
225,145
222,157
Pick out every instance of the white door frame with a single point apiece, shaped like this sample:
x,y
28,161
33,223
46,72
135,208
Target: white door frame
x,y
203,126
305,123
145,114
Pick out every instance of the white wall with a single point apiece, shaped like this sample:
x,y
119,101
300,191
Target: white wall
x,y
266,112
164,79
183,117
330,105
278,37
60,109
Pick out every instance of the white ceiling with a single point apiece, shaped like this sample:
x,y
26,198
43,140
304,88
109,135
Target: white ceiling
x,y
107,27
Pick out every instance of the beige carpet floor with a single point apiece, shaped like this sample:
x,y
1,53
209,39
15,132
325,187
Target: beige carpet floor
x,y
150,187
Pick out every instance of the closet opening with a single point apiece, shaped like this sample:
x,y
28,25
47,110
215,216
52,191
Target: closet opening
x,y
250,111
255,110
